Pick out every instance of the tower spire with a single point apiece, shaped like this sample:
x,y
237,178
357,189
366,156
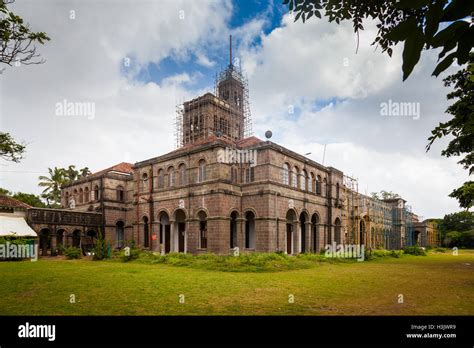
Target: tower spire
x,y
230,50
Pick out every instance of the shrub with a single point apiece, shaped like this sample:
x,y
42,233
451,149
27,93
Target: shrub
x,y
72,253
414,250
134,253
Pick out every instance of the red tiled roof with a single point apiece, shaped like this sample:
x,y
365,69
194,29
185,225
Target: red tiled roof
x,y
9,202
250,141
123,167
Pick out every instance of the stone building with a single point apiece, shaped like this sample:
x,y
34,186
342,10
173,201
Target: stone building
x,y
222,188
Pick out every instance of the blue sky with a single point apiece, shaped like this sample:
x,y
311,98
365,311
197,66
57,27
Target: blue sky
x,y
243,12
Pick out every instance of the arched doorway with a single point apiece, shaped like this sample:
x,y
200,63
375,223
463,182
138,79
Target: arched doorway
x,y
45,241
361,232
180,232
416,237
202,230
60,239
76,239
146,232
249,230
337,231
303,231
233,229
120,234
165,233
315,243
290,229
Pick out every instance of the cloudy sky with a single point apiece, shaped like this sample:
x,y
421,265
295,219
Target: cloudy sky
x,y
135,60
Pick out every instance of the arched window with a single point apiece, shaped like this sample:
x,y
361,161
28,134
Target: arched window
x,y
202,230
146,233
294,177
81,196
96,192
182,175
250,230
311,183
286,174
304,179
318,185
120,194
337,193
249,174
86,195
233,174
161,178
324,188
120,234
67,199
337,231
202,171
144,182
171,177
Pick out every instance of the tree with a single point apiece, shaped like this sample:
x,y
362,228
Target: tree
x,y
10,150
4,192
461,221
30,199
414,22
417,23
52,185
461,126
17,40
57,178
385,195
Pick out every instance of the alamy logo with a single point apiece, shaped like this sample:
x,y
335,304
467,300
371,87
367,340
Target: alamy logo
x,y
234,156
67,108
406,109
19,251
348,251
37,331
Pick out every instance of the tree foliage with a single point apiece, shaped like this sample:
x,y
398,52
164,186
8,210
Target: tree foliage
x,y
385,195
10,150
17,40
415,22
58,177
28,198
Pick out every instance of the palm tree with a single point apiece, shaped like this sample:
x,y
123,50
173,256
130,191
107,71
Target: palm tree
x,y
52,184
84,172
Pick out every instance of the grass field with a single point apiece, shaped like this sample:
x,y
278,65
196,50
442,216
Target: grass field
x,y
437,284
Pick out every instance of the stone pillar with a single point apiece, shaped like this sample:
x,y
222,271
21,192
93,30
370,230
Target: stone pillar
x,y
308,243
54,237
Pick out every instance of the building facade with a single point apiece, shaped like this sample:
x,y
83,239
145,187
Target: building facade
x,y
222,189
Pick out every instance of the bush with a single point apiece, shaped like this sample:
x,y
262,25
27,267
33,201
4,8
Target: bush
x,y
414,250
134,253
440,250
100,250
72,253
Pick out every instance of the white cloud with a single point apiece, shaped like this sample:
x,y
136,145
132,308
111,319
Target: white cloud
x,y
313,66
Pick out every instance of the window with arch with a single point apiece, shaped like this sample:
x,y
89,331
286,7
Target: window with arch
x,y
337,192
182,174
120,234
81,196
294,177
120,194
202,171
67,199
144,182
233,174
286,174
86,195
318,185
171,177
311,182
202,230
250,230
324,188
249,174
146,232
161,178
96,192
304,179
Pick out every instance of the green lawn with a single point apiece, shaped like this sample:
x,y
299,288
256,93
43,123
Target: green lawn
x,y
438,284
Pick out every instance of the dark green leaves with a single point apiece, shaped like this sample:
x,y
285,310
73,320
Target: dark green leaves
x,y
412,50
